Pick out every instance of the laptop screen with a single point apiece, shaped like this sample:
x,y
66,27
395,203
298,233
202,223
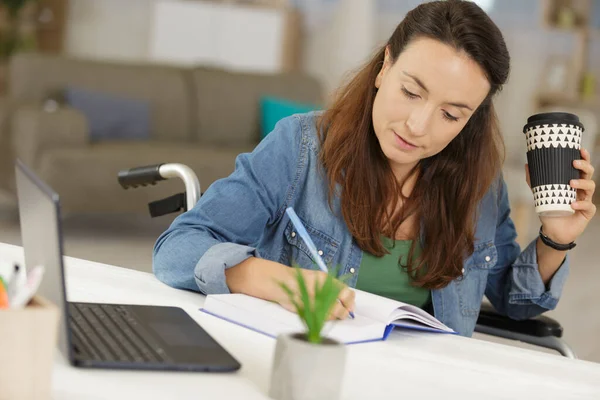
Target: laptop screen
x,y
39,214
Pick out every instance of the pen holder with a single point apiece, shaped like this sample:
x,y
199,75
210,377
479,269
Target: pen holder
x,y
27,343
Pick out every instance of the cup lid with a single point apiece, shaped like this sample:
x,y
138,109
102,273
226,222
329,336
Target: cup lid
x,y
553,118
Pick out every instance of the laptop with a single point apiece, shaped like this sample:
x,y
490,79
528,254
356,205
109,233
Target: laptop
x,y
115,336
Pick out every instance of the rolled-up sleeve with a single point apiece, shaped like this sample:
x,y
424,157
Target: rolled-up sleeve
x,y
210,270
515,286
527,285
225,226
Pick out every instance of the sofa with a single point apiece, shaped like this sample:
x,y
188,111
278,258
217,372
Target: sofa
x,y
201,117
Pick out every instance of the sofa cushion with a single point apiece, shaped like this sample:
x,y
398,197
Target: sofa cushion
x,y
167,90
86,178
111,117
274,109
228,103
34,130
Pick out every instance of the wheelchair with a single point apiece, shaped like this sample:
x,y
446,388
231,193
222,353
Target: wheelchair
x,y
540,331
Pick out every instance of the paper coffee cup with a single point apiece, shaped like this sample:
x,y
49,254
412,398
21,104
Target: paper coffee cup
x,y
553,143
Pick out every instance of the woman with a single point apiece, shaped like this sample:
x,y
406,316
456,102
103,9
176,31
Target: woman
x,y
398,183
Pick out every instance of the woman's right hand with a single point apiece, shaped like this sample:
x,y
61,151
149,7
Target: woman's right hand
x,y
261,278
341,308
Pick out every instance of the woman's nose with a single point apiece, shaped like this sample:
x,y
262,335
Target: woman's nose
x,y
419,120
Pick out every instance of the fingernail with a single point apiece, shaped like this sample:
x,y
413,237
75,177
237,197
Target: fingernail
x,y
574,181
577,163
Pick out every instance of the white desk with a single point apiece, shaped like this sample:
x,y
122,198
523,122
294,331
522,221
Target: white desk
x,y
407,364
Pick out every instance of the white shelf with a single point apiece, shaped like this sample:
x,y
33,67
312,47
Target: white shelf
x,y
223,35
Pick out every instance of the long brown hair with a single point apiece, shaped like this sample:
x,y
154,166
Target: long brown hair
x,y
450,184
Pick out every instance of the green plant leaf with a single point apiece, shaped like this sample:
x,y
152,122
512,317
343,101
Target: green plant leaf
x,y
11,38
316,335
291,296
327,298
319,300
314,310
15,6
309,316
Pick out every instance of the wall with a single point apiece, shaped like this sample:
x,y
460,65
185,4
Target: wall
x,y
108,29
127,30
339,36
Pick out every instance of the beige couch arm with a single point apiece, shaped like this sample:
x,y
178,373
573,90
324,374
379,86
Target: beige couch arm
x,y
34,130
4,117
6,158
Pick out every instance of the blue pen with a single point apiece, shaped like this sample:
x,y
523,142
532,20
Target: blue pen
x,y
309,243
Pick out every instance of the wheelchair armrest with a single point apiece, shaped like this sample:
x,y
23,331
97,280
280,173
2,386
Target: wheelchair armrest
x,y
541,326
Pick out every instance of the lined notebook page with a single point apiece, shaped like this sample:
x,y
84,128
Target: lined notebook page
x,y
388,310
273,320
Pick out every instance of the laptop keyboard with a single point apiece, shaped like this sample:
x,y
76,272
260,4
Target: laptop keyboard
x,y
107,332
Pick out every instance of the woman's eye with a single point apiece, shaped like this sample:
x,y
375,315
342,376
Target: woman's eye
x,y
450,117
408,94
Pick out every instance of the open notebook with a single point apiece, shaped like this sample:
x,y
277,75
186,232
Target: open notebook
x,y
375,317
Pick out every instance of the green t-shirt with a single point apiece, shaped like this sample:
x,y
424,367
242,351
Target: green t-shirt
x,y
385,277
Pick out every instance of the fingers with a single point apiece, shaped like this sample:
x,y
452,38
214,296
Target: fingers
x,y
288,306
312,277
585,185
345,303
527,176
585,188
584,165
339,311
585,155
587,208
347,297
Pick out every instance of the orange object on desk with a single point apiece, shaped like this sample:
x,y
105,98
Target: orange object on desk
x,y
3,295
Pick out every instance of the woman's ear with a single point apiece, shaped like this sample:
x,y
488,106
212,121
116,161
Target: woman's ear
x,y
386,65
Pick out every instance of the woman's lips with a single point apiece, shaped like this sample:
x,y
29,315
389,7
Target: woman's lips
x,y
403,144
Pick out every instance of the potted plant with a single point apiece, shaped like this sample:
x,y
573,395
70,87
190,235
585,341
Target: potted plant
x,y
306,364
17,31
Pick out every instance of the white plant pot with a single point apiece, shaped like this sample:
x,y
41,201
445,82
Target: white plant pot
x,y
307,371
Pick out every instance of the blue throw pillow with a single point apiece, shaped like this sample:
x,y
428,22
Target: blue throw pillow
x,y
109,116
273,109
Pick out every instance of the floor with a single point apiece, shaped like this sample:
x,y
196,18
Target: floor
x,y
127,241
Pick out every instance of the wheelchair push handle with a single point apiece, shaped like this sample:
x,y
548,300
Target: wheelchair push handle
x,y
140,176
151,174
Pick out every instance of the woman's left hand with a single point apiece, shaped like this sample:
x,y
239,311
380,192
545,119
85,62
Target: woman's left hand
x,y
567,229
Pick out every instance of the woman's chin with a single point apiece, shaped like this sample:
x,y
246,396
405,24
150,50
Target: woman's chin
x,y
398,157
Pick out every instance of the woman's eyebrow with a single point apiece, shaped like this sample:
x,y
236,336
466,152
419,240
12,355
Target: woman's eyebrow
x,y
420,83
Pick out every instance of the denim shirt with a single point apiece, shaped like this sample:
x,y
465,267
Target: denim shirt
x,y
243,215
